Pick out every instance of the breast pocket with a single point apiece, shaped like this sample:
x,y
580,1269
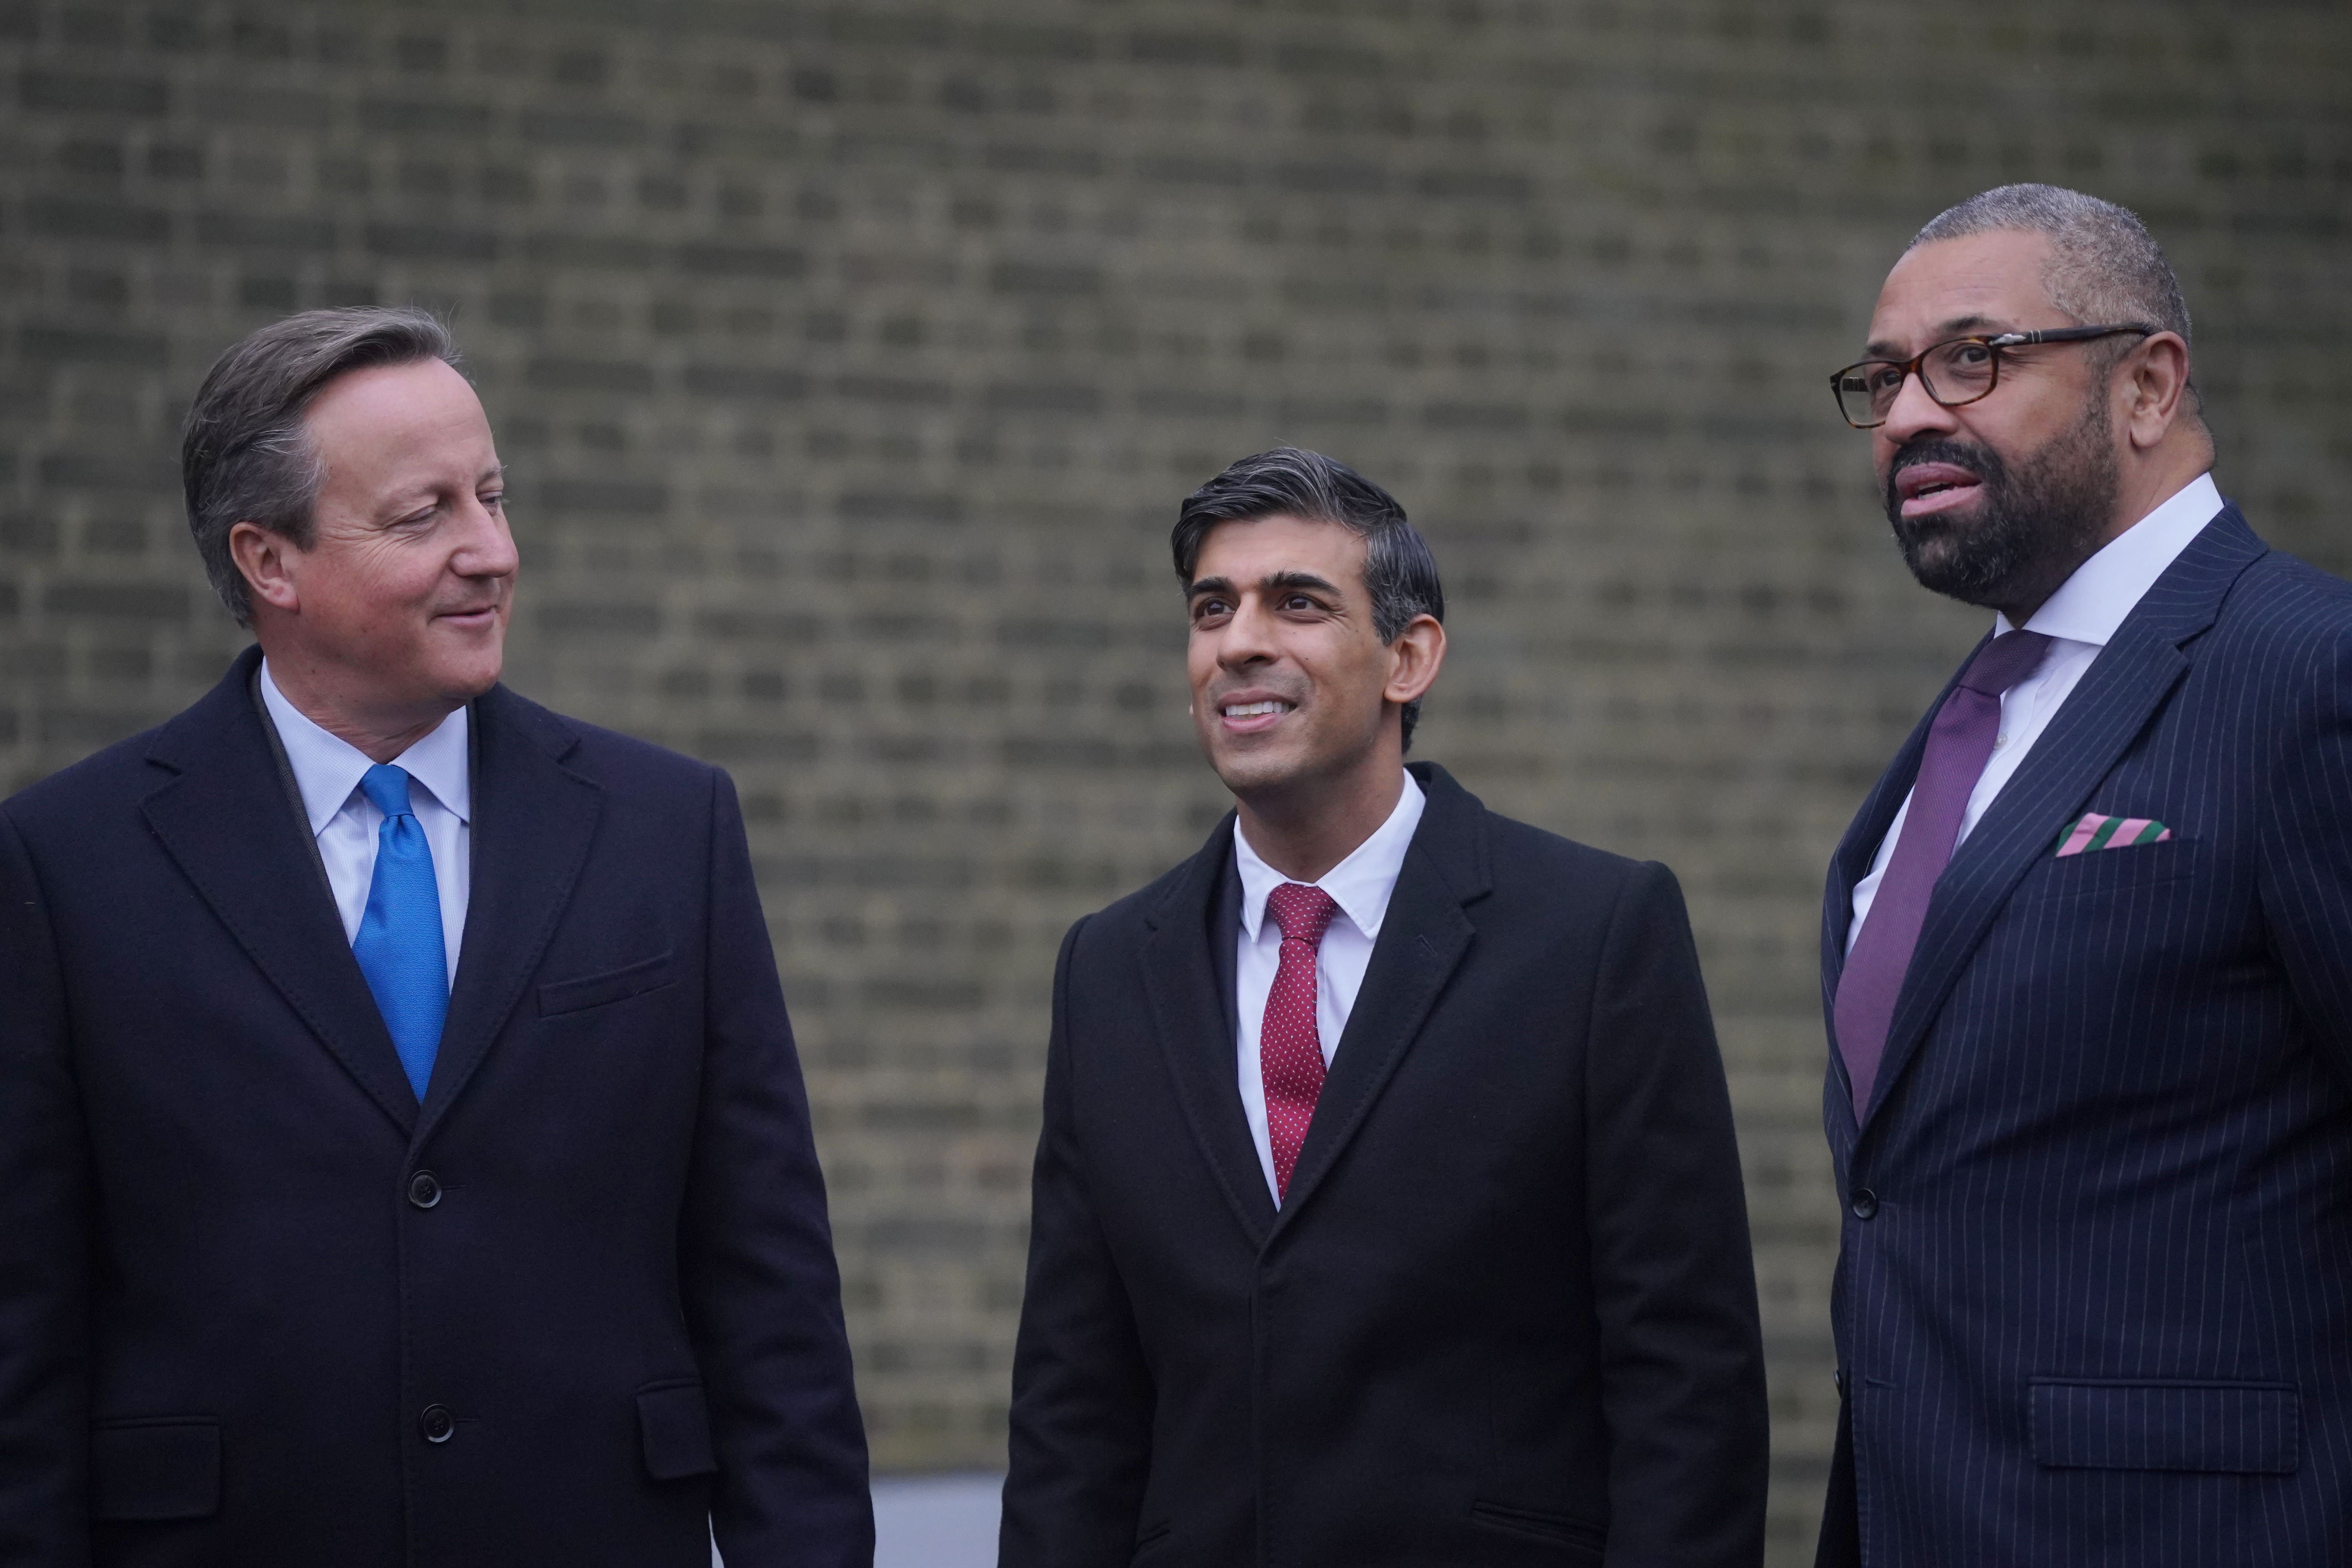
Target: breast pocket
x,y
2143,868
602,989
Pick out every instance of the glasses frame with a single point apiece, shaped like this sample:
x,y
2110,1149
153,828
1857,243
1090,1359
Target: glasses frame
x,y
1917,364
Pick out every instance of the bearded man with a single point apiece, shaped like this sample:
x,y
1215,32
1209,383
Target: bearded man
x,y
2088,953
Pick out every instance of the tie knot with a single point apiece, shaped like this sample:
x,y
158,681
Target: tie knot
x,y
388,787
1302,911
2006,660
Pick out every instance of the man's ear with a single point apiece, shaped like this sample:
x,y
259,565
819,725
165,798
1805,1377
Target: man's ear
x,y
267,561
1414,657
2155,388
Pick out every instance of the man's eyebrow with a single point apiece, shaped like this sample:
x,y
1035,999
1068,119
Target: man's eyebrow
x,y
1956,327
1272,582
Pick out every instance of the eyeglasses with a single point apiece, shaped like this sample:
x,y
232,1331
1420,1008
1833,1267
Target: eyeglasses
x,y
1955,373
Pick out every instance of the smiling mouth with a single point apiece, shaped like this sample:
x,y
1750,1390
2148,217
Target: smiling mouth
x,y
1254,710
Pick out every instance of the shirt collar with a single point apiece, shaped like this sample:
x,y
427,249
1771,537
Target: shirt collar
x,y
1359,884
328,768
2089,605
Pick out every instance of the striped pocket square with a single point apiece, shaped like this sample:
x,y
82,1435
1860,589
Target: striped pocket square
x,y
2096,831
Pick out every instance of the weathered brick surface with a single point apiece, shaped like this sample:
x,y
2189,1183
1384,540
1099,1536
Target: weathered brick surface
x,y
850,358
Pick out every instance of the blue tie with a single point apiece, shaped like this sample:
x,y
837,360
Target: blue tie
x,y
399,945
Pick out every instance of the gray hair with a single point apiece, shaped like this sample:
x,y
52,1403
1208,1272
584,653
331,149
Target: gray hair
x,y
244,454
2104,268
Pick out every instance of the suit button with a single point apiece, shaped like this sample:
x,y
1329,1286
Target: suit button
x,y
437,1424
1865,1203
425,1189
1838,1377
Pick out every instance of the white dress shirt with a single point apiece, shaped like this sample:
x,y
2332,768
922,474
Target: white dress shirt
x,y
328,769
2080,619
1360,886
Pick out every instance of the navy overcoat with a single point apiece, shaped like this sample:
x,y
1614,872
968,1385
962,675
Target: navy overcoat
x,y
260,1306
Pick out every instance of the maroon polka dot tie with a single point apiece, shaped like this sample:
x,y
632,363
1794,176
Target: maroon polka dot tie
x,y
1289,1047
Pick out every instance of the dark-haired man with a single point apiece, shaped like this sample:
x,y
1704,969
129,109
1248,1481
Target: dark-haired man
x,y
403,1161
2088,953
1387,1210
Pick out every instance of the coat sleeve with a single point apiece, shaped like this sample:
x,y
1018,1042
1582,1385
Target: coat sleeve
x,y
44,1259
2307,873
1682,1360
1082,1394
761,1291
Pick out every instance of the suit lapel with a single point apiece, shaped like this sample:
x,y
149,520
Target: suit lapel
x,y
533,823
2102,717
1189,1015
223,821
1422,941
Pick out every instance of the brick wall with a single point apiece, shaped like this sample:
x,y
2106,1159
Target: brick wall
x,y
850,360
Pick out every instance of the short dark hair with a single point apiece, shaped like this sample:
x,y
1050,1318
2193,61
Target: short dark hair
x,y
1400,574
245,456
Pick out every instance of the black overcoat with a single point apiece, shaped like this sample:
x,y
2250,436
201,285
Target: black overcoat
x,y
1507,1314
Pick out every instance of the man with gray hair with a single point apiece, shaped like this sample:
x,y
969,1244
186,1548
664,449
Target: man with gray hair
x,y
2088,953
404,1160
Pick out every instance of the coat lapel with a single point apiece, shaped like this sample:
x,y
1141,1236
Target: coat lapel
x,y
1422,941
2102,717
533,823
1191,1017
224,820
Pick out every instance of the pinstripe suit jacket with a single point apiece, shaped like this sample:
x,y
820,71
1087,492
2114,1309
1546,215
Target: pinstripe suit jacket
x,y
2095,1301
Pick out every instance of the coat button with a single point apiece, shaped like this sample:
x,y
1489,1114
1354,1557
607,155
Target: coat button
x,y
425,1189
1865,1203
437,1424
1838,1377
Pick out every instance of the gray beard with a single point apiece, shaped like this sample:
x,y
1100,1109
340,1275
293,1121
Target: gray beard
x,y
2032,526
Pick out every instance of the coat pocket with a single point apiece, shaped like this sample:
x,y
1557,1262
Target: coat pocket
x,y
675,1423
1568,1538
613,985
2218,1428
155,1467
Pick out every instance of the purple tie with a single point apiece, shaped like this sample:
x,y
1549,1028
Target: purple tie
x,y
1959,746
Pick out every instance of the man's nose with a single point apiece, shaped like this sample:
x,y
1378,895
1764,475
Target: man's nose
x,y
1248,635
489,548
1914,412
